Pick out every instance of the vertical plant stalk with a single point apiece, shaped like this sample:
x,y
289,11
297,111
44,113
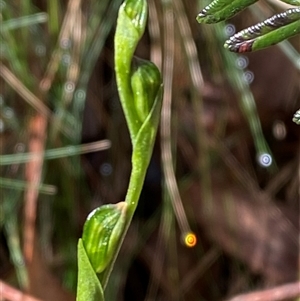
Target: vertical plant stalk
x,y
165,133
53,9
140,89
33,173
197,86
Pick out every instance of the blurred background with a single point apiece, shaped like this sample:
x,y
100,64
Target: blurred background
x,y
227,144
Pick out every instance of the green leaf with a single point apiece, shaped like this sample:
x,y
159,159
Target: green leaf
x,y
269,32
88,286
220,10
292,2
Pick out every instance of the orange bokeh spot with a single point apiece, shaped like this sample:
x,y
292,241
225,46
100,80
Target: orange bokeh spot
x,y
190,239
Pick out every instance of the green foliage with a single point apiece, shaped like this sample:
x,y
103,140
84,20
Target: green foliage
x,y
88,286
269,32
264,34
220,10
140,90
44,42
45,66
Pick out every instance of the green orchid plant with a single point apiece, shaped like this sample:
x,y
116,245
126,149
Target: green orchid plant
x,y
140,89
264,34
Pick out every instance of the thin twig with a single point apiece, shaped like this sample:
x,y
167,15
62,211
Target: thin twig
x,y
166,120
155,36
37,136
64,35
200,268
279,293
20,88
9,293
56,153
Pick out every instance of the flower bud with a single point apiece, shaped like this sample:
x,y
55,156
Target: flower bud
x,y
145,84
136,11
102,232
